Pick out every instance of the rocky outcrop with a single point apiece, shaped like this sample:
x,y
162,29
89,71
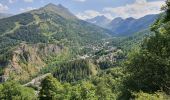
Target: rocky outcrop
x,y
28,59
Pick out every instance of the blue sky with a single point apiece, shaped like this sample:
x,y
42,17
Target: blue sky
x,y
85,9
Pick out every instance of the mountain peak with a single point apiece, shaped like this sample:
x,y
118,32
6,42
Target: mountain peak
x,y
116,21
53,6
50,4
59,10
102,17
99,18
101,21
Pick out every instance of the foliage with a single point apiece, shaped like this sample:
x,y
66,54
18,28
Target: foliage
x,y
51,89
8,24
30,35
150,67
130,42
71,71
156,96
105,65
15,91
102,87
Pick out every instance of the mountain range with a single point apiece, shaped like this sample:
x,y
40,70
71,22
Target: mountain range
x,y
125,27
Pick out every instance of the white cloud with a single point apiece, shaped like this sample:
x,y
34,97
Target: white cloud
x,y
138,9
28,0
80,0
3,8
91,14
26,9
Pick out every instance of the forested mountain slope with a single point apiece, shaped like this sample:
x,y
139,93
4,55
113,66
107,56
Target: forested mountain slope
x,y
133,41
32,35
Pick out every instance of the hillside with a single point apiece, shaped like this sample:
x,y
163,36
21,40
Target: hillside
x,y
49,23
30,39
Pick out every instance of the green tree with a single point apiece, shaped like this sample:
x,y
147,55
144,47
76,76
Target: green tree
x,y
103,92
51,89
154,96
150,67
88,91
15,91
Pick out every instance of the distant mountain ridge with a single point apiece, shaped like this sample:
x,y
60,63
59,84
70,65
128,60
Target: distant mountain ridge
x,y
101,21
125,27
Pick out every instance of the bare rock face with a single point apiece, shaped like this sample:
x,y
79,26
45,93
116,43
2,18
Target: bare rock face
x,y
28,59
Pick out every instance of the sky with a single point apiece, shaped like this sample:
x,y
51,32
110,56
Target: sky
x,y
86,9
